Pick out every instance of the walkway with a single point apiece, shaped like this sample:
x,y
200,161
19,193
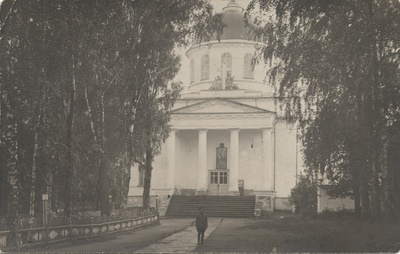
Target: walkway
x,y
172,235
183,241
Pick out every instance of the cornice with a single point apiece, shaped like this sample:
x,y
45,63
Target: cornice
x,y
223,44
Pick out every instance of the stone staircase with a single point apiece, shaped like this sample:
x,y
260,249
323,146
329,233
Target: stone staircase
x,y
214,206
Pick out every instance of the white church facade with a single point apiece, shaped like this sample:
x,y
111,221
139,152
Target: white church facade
x,y
227,131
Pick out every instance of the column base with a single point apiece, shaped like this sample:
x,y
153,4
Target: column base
x,y
265,201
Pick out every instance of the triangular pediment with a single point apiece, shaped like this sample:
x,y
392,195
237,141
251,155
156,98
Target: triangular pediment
x,y
218,106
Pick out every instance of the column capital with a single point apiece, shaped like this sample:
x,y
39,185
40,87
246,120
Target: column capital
x,y
234,130
202,130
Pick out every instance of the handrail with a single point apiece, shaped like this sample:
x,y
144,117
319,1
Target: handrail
x,y
43,235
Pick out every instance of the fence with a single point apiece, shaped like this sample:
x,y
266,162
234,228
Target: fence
x,y
43,235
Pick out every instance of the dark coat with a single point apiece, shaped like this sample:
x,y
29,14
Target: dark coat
x,y
201,221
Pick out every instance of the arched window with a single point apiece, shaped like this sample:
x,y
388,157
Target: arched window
x,y
205,67
192,71
226,59
248,68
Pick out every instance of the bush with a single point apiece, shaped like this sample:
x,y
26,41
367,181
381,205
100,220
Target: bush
x,y
304,196
337,214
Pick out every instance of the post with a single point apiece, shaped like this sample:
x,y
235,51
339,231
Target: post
x,y
17,239
91,227
156,203
223,76
45,198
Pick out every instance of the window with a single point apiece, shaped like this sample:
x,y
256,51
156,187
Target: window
x,y
141,176
248,68
192,71
223,177
205,67
226,62
214,177
219,177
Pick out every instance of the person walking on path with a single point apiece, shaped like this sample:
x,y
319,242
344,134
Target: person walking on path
x,y
201,225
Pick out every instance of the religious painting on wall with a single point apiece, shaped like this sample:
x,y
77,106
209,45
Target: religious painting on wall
x,y
221,160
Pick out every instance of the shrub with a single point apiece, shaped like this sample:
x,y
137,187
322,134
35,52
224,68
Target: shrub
x,y
304,196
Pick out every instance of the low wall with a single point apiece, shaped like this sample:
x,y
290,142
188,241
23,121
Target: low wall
x,y
325,202
282,204
45,235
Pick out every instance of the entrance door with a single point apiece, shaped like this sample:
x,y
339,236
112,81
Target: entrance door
x,y
218,182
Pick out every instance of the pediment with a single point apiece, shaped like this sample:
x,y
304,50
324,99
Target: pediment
x,y
218,106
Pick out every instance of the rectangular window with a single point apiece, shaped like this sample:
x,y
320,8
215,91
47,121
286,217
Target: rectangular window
x,y
223,177
214,178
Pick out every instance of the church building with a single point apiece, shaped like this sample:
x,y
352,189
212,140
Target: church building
x,y
228,137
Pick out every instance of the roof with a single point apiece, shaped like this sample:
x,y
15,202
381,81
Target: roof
x,y
235,25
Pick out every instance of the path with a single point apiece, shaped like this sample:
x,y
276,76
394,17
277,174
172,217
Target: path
x,y
172,235
183,241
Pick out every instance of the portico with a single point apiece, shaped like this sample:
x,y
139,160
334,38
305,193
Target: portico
x,y
246,132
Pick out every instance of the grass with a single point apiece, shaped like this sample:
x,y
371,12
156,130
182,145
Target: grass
x,y
291,233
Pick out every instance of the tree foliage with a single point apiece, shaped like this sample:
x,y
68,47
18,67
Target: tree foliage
x,y
82,83
304,196
335,65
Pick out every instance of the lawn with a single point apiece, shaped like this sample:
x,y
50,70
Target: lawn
x,y
286,232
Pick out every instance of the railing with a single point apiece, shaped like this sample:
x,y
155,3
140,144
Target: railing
x,y
15,239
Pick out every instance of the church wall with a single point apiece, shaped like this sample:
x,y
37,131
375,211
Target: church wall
x,y
237,49
186,162
285,159
250,158
160,170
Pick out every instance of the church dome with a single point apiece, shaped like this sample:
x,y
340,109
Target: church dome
x,y
235,27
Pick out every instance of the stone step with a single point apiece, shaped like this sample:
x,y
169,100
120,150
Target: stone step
x,y
215,206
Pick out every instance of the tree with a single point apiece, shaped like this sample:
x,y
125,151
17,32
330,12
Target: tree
x,y
337,67
74,75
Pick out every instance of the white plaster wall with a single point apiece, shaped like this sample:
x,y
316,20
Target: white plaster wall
x,y
250,159
237,49
285,159
186,163
160,170
325,202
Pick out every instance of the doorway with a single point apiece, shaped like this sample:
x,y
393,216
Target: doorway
x,y
218,182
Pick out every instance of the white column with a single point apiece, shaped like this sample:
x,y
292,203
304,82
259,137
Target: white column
x,y
234,161
268,175
171,159
202,161
272,160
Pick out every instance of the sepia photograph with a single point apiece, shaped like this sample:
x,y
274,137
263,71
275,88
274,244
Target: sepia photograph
x,y
200,126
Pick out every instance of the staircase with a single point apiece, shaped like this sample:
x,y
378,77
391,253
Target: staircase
x,y
214,206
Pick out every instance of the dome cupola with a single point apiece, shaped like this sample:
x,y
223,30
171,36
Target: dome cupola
x,y
226,65
235,27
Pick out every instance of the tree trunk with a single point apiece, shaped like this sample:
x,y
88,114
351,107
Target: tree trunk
x,y
389,208
103,187
13,182
34,161
69,162
357,201
126,179
147,177
365,196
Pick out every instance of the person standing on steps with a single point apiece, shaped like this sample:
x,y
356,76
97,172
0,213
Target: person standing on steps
x,y
201,225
